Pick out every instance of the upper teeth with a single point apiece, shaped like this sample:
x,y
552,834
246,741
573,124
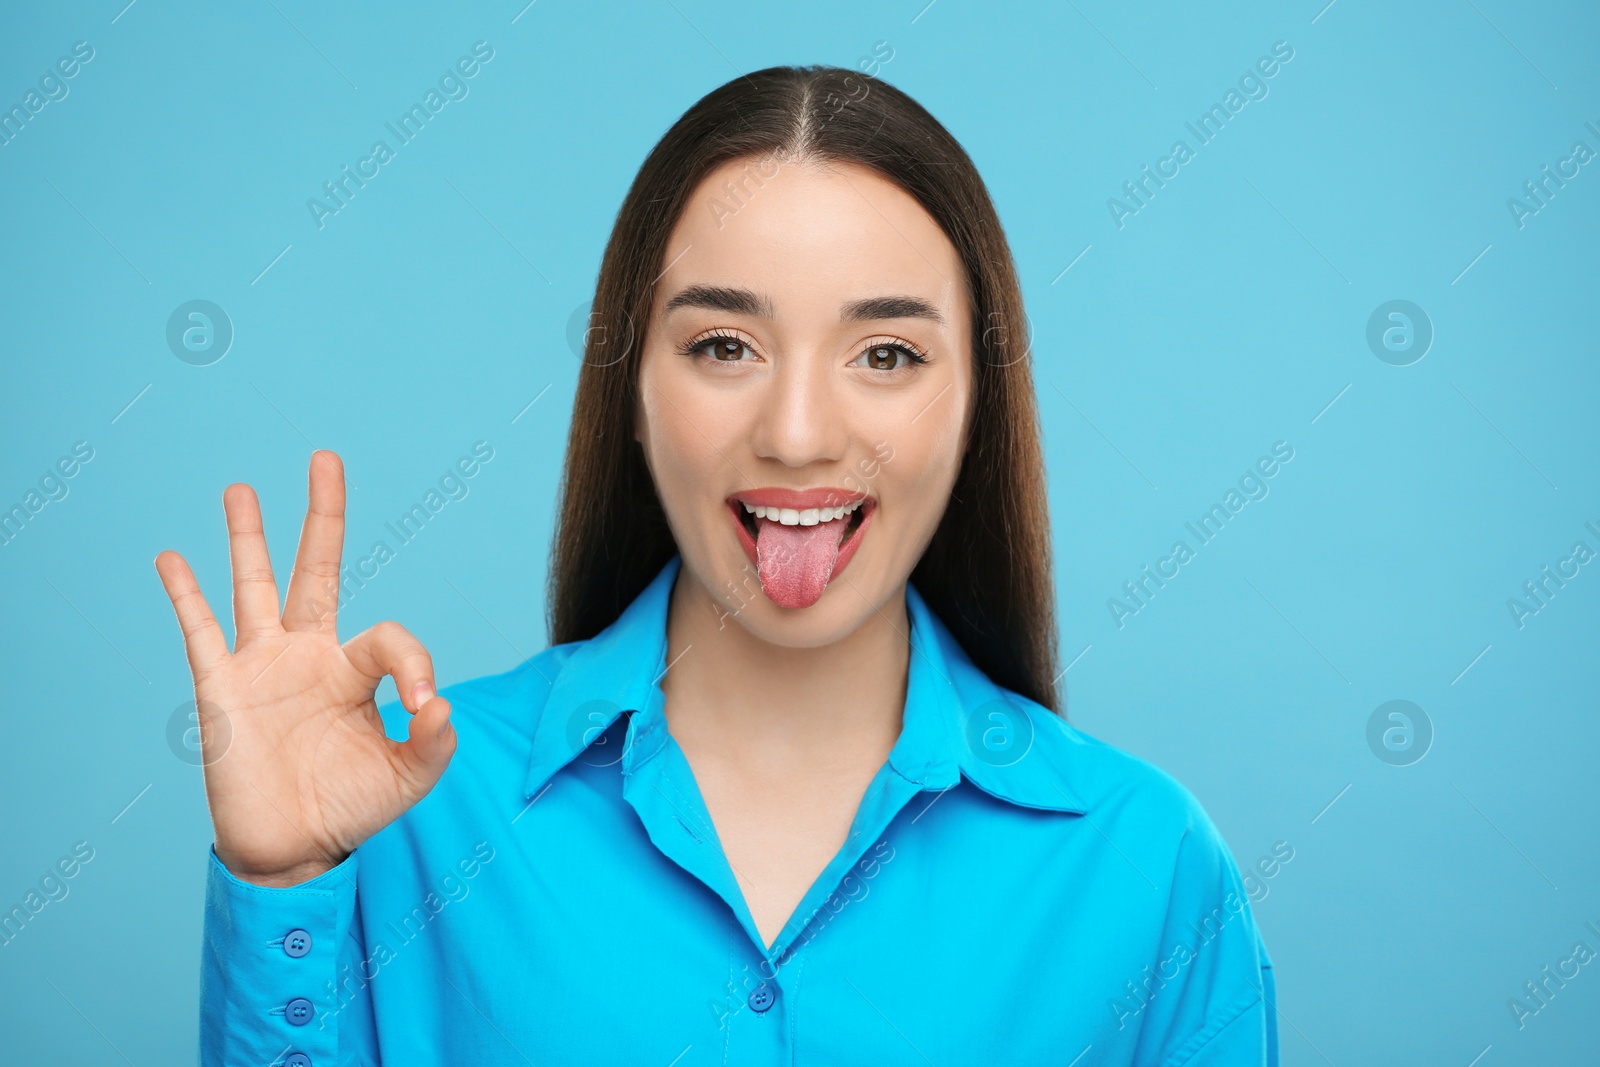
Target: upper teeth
x,y
806,517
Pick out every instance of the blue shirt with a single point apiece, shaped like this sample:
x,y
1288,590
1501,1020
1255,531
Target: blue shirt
x,y
1012,891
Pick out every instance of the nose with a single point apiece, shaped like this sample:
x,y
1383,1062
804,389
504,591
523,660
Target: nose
x,y
800,417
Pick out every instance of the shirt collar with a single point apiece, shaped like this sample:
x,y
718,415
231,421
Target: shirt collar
x,y
957,722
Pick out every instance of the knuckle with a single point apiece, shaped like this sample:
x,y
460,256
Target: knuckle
x,y
319,568
200,626
390,631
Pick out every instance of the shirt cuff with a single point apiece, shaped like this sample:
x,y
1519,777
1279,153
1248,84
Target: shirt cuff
x,y
269,967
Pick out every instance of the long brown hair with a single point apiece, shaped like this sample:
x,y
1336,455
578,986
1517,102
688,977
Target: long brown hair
x,y
987,570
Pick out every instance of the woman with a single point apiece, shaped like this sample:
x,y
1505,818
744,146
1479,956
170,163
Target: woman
x,y
789,787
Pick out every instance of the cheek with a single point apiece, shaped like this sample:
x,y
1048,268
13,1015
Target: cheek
x,y
685,454
924,459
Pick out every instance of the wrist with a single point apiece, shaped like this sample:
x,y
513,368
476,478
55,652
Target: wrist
x,y
277,877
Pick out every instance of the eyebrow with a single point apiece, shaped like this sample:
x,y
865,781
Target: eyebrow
x,y
745,302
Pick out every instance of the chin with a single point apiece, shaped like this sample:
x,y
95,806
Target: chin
x,y
840,612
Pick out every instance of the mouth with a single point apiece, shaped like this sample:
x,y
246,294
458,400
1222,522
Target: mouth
x,y
799,540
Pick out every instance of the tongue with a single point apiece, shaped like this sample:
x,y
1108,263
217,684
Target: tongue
x,y
795,562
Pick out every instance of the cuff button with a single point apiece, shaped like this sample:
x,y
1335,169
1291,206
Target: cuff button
x,y
299,1010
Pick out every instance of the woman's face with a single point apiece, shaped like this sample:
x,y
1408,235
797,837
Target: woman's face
x,y
804,390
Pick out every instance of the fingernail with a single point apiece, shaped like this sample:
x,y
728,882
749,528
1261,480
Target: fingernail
x,y
421,693
442,728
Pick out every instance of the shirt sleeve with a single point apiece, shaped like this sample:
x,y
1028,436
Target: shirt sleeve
x,y
277,973
1209,998
1250,1037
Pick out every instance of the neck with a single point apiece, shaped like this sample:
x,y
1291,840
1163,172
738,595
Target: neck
x,y
769,708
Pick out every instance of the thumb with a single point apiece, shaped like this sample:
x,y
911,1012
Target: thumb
x,y
427,750
389,648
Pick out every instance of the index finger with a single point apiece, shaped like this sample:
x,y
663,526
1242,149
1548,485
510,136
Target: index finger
x,y
313,601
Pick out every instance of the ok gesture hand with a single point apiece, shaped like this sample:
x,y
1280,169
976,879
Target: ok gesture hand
x,y
298,770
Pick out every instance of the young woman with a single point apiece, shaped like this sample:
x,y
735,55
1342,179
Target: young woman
x,y
790,787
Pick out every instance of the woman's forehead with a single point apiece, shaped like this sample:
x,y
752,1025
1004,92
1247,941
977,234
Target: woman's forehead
x,y
810,237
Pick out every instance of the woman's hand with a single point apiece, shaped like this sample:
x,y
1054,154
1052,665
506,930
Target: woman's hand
x,y
298,771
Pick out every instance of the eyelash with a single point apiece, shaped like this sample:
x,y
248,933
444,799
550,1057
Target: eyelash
x,y
695,344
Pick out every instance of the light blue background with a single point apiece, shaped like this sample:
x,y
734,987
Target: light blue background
x,y
1228,314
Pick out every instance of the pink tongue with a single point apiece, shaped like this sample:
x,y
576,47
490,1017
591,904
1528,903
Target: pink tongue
x,y
795,562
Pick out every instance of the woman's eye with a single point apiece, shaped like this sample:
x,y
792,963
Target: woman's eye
x,y
724,349
884,357
887,357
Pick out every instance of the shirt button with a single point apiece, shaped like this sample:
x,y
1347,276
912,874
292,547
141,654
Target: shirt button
x,y
296,943
761,998
297,1059
299,1010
